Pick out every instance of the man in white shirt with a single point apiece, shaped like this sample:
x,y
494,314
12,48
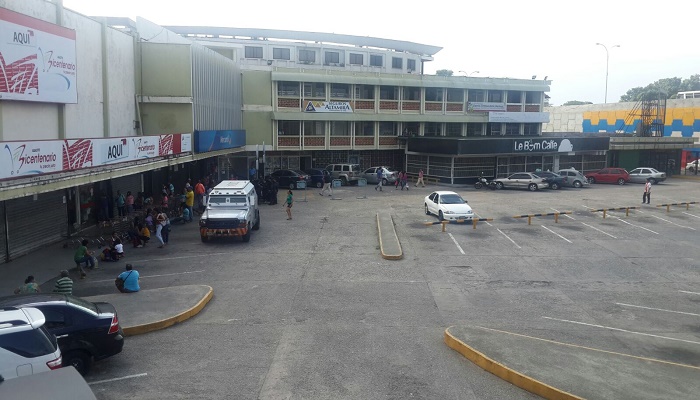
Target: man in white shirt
x,y
646,197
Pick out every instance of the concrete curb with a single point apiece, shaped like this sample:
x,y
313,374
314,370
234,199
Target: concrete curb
x,y
381,244
165,323
509,375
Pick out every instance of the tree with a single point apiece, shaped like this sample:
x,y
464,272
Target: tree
x,y
668,86
576,103
444,72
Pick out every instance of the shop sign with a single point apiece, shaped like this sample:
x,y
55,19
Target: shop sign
x,y
38,60
30,158
218,140
519,117
542,145
485,106
329,106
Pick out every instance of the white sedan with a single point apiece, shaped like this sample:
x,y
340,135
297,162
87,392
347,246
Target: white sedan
x,y
448,206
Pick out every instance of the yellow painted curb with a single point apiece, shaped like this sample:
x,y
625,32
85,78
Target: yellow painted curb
x,y
381,245
164,323
522,381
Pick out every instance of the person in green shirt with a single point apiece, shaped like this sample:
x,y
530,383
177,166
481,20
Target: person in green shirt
x,y
64,284
83,255
288,204
29,286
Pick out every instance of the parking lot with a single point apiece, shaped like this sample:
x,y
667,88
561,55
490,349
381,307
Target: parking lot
x,y
309,309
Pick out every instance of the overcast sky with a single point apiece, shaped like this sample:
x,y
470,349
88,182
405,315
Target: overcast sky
x,y
515,39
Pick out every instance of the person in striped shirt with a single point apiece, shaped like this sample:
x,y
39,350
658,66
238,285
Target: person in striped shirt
x,y
64,284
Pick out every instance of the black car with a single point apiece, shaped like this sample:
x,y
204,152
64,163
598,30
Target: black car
x,y
85,331
554,180
289,178
316,175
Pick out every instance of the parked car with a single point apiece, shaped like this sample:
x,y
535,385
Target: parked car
x,y
573,177
59,384
26,346
609,175
290,178
692,166
640,175
554,180
86,331
389,175
347,173
522,180
316,176
447,206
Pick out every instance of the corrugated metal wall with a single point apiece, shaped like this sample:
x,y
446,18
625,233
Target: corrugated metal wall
x,y
3,236
34,223
215,78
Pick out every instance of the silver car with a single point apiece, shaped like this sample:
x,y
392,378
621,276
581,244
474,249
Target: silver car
x,y
573,177
522,180
640,175
388,175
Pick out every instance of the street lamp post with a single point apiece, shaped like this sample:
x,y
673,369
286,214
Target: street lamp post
x,y
471,73
607,63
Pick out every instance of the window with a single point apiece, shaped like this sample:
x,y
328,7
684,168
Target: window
x,y
253,52
512,129
314,128
287,88
364,128
317,90
515,96
332,57
533,97
356,59
493,128
29,343
495,96
388,128
376,60
364,92
340,128
475,129
289,128
476,95
340,91
389,92
307,56
280,54
453,129
397,62
411,93
433,94
455,95
411,65
432,129
531,129
55,317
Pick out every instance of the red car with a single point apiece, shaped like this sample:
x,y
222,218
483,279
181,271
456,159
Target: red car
x,y
609,175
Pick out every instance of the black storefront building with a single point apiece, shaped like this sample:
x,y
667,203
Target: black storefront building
x,y
461,160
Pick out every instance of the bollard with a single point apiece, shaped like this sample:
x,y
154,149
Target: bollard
x,y
556,218
604,212
529,220
668,208
444,224
627,212
474,221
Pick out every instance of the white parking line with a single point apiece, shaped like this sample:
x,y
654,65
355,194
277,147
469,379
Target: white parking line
x,y
658,309
457,244
177,258
566,215
692,215
117,379
685,291
507,237
673,223
622,330
599,230
556,234
622,220
153,276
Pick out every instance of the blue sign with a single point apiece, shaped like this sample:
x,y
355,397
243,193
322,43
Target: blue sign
x,y
205,141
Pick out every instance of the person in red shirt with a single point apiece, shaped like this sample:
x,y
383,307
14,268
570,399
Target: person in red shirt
x,y
199,194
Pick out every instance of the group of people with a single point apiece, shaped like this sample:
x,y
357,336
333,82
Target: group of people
x,y
401,180
126,282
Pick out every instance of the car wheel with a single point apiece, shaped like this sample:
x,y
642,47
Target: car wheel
x,y
591,180
621,181
578,184
384,182
343,181
499,185
532,187
426,210
291,186
257,223
319,185
246,237
555,186
80,360
440,216
653,181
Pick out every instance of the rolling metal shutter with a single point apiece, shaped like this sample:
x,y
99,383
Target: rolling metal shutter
x,y
35,223
3,237
129,183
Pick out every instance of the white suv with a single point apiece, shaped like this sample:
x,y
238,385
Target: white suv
x,y
26,347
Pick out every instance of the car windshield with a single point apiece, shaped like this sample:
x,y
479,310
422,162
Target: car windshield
x,y
355,168
451,199
82,303
654,170
220,200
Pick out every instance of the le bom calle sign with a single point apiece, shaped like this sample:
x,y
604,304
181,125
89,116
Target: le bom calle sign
x,y
543,145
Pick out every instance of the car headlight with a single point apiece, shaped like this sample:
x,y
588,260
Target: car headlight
x,y
449,212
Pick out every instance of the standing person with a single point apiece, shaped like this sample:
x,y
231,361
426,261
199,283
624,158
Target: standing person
x,y
326,186
380,178
404,180
29,286
399,179
160,219
420,178
83,255
189,202
129,203
199,195
647,192
288,204
64,284
130,279
121,204
252,172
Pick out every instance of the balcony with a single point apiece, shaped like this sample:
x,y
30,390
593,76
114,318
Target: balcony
x,y
391,141
285,102
412,106
532,108
364,141
433,106
288,142
514,107
340,141
314,142
454,107
389,105
364,105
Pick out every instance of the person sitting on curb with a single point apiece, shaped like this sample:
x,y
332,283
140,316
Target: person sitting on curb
x,y
129,279
64,284
143,237
29,286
